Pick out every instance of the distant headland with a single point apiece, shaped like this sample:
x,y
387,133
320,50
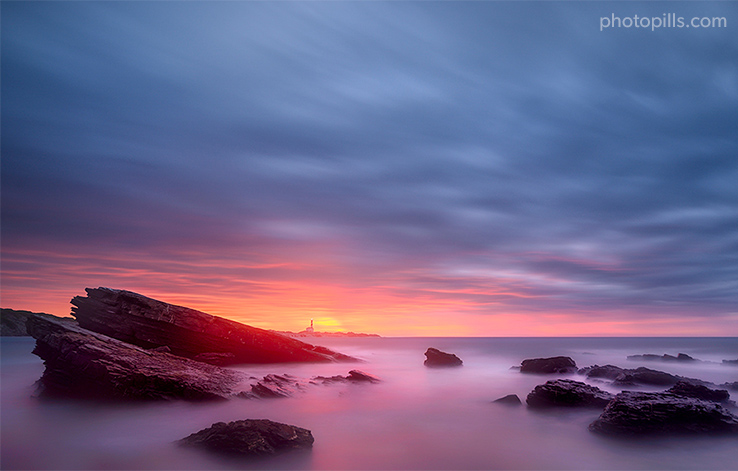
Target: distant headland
x,y
310,332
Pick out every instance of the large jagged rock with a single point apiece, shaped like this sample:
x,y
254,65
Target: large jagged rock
x,y
86,365
149,323
548,365
250,438
434,357
639,413
567,393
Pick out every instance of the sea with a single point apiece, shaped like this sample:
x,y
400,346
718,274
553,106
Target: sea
x,y
416,418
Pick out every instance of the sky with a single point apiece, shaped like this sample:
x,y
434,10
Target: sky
x,y
403,168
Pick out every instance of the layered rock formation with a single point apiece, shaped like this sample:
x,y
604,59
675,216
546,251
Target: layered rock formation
x,y
639,413
13,322
683,357
87,365
250,438
435,357
548,365
567,393
149,323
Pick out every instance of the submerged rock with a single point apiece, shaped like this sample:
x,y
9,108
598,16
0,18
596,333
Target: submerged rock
x,y
250,438
567,393
548,365
509,400
87,365
361,377
638,413
149,323
435,357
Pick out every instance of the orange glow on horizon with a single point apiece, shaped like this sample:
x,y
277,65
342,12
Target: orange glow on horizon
x,y
279,295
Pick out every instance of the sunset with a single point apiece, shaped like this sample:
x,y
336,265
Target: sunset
x,y
233,200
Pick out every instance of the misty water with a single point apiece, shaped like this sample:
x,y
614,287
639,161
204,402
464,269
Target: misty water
x,y
416,418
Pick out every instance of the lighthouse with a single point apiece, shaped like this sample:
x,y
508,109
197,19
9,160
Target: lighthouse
x,y
310,329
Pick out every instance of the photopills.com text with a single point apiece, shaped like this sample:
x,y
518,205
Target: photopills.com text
x,y
667,20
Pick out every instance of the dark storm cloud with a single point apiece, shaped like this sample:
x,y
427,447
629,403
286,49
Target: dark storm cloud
x,y
470,140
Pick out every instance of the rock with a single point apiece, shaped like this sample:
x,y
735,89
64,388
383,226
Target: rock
x,y
357,376
273,386
86,365
509,400
149,323
548,365
596,371
567,393
638,413
360,376
730,362
664,357
13,322
698,391
250,438
646,376
435,357
731,386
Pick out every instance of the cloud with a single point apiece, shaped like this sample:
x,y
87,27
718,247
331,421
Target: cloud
x,y
499,156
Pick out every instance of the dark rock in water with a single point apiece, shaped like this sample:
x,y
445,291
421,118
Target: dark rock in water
x,y
596,371
664,357
548,365
509,400
730,362
638,413
731,386
646,376
251,438
567,393
87,365
149,323
356,376
637,376
360,376
435,357
698,391
273,386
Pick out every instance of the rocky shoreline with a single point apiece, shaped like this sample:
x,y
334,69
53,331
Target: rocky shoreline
x,y
123,346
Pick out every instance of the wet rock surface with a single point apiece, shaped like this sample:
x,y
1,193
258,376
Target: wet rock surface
x,y
567,393
149,323
255,438
87,365
435,357
642,413
550,365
